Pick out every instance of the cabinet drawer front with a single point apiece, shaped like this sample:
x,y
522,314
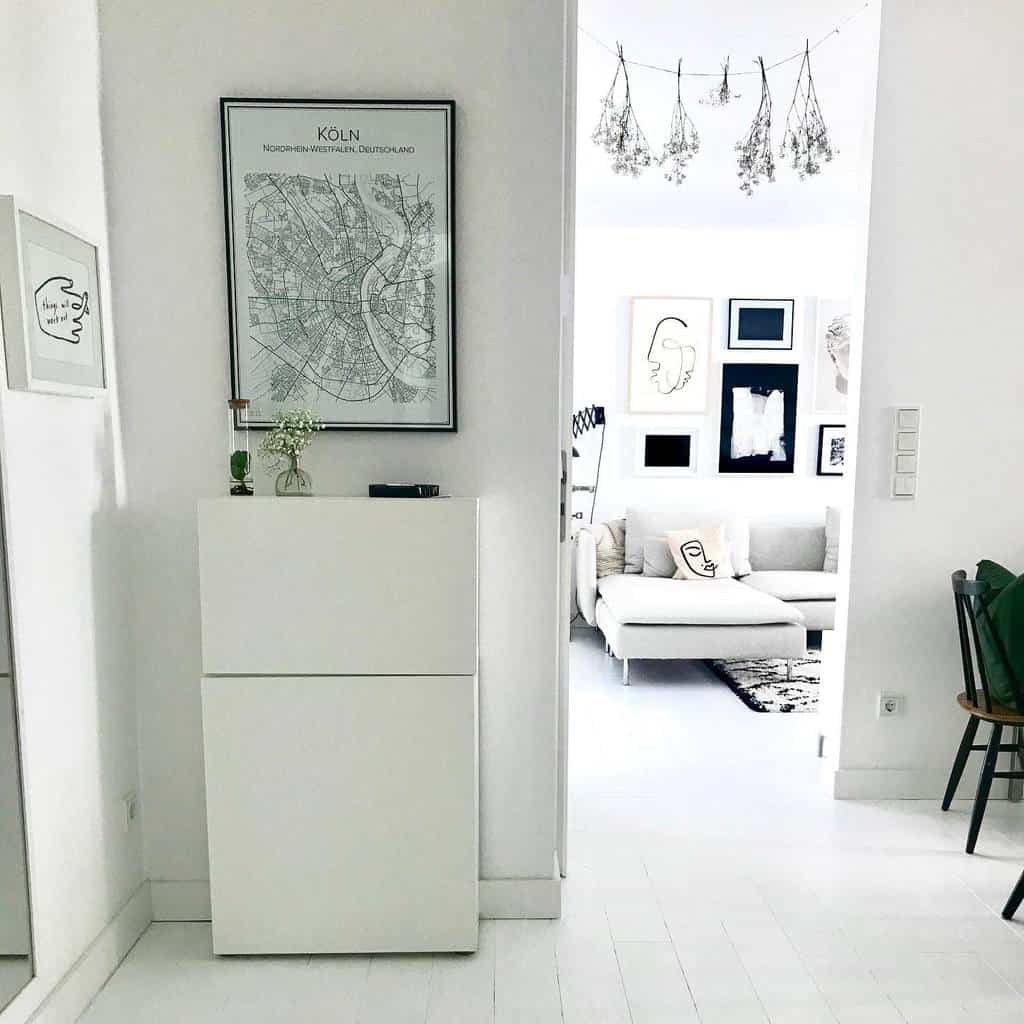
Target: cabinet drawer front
x,y
342,813
338,586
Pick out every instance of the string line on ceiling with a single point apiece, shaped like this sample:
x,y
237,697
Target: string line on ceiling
x,y
736,74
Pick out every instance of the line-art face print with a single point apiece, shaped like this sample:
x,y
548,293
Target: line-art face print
x,y
60,310
697,560
670,358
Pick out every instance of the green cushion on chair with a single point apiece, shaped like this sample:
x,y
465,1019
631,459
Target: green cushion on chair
x,y
1005,605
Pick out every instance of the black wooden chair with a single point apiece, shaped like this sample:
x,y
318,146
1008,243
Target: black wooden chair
x,y
977,701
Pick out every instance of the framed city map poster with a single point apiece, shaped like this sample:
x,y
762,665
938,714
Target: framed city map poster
x,y
340,250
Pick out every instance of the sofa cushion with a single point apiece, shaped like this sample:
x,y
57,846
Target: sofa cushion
x,y
652,522
782,545
647,600
794,584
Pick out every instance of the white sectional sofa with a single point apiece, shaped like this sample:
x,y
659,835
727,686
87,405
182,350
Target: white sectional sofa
x,y
781,590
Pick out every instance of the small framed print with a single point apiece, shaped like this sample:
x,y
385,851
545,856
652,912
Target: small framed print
x,y
831,449
51,306
765,324
667,453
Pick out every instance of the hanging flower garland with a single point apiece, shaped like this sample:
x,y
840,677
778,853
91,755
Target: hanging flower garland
x,y
805,142
683,141
721,95
756,160
618,131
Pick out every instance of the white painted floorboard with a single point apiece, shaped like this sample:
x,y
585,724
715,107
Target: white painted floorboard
x,y
712,879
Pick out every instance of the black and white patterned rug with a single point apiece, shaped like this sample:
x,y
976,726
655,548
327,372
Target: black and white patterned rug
x,y
762,685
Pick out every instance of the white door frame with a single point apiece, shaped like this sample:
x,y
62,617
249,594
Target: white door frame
x,y
565,416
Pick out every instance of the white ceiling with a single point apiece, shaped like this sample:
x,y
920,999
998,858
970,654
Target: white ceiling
x,y
657,32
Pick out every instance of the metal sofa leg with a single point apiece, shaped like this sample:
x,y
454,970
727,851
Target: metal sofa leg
x,y
789,670
625,671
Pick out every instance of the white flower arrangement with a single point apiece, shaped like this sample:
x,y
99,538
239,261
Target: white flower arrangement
x,y
291,434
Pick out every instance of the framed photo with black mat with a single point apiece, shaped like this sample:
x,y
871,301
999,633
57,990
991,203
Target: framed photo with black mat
x,y
667,453
340,225
758,428
831,449
764,324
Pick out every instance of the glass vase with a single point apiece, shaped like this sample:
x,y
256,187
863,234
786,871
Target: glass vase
x,y
239,458
294,482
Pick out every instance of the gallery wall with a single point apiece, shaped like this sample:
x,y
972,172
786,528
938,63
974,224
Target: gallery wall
x,y
163,71
71,581
942,331
792,239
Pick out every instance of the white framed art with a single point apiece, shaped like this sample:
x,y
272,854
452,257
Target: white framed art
x,y
51,305
669,355
761,324
667,452
832,340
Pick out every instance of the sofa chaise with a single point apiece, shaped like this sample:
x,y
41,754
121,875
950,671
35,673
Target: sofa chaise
x,y
785,586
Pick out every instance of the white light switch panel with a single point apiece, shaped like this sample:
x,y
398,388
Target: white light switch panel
x,y
906,451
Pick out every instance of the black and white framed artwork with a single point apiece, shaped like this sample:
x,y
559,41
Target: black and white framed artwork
x,y
669,355
765,324
832,343
52,310
666,453
831,449
340,249
758,428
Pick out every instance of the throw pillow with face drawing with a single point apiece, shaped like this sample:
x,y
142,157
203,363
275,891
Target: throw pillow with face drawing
x,y
701,553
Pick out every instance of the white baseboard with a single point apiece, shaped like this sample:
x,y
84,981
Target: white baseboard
x,y
499,898
514,898
68,999
181,901
906,783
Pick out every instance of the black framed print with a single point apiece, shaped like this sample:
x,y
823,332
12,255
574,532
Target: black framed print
x,y
666,453
831,449
340,225
765,324
758,428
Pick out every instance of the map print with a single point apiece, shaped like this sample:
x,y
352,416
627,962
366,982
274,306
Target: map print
x,y
342,296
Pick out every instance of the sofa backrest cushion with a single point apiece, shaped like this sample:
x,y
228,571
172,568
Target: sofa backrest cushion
x,y
652,522
778,545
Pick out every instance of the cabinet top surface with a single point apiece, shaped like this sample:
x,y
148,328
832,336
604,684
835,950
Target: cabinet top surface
x,y
267,499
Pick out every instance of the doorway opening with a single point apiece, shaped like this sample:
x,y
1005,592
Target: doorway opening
x,y
722,183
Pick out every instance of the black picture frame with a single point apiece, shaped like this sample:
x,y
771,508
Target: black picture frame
x,y
259,421
785,308
822,428
760,378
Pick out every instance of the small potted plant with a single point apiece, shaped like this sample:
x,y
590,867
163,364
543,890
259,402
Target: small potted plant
x,y
290,435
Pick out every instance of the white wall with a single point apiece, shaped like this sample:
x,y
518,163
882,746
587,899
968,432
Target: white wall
x,y
647,236
164,67
66,525
942,329
616,264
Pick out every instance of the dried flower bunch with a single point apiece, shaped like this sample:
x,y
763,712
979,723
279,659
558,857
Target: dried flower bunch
x,y
756,160
618,132
721,95
683,142
805,142
291,434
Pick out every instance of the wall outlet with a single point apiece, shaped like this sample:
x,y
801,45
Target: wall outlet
x,y
890,704
130,810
